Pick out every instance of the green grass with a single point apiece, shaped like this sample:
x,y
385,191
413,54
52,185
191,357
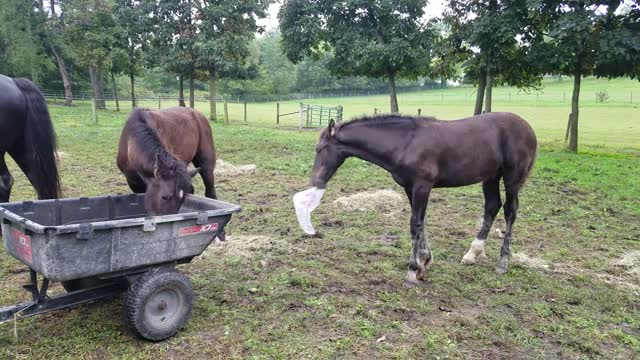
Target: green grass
x,y
613,124
335,295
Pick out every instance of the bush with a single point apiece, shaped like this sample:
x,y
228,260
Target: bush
x,y
602,96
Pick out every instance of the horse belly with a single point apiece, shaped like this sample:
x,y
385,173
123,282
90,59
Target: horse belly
x,y
469,171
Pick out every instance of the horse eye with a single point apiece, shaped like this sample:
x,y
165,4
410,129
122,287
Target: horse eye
x,y
166,197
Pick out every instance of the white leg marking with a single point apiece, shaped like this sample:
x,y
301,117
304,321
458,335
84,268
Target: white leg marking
x,y
475,251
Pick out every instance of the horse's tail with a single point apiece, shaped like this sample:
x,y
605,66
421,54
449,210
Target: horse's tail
x,y
39,142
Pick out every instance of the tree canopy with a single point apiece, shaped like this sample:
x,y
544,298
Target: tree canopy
x,y
381,38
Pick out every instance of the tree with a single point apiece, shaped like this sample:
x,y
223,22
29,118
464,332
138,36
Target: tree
x,y
588,37
52,30
21,52
492,38
172,39
133,20
381,38
279,71
92,33
226,30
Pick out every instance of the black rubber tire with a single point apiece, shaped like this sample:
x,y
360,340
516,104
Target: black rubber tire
x,y
158,304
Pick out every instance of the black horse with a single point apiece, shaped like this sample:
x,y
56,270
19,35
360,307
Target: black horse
x,y
26,133
425,153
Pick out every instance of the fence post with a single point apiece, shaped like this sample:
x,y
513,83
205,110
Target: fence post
x,y
226,113
277,113
93,112
375,111
301,110
419,112
159,102
245,112
442,94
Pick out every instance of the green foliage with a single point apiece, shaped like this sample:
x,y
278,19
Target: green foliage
x,y
490,37
91,30
21,52
367,38
225,31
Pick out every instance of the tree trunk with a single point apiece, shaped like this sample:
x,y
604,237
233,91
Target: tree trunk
x,y
115,91
488,92
213,91
68,94
191,92
132,81
443,83
482,84
98,89
573,133
393,97
181,92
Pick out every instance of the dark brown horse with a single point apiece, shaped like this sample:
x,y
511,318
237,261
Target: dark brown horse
x,y
26,133
155,149
425,153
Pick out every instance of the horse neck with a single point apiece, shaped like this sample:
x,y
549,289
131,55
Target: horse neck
x,y
364,144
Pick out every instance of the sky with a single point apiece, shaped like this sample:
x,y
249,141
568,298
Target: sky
x,y
434,9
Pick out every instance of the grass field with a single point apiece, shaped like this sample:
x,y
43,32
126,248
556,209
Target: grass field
x,y
275,293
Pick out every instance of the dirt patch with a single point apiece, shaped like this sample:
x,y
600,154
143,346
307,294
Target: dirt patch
x,y
530,262
246,246
387,201
630,262
224,168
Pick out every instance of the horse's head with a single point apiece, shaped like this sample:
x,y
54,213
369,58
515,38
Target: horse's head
x,y
329,157
167,188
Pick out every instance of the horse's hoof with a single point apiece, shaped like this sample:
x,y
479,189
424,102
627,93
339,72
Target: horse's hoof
x,y
409,284
411,280
501,271
468,261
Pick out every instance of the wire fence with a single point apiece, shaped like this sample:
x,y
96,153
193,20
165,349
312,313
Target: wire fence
x,y
259,112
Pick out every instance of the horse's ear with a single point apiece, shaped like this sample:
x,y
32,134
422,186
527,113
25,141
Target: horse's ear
x,y
332,127
194,172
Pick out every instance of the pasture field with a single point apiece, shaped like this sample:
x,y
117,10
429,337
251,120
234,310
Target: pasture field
x,y
272,292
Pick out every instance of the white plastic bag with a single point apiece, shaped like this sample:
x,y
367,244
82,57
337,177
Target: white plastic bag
x,y
305,202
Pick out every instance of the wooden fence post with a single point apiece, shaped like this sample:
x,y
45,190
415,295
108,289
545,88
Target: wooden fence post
x,y
301,111
245,112
277,113
226,113
93,112
419,112
159,102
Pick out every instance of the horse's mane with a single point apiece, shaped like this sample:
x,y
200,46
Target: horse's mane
x,y
388,120
149,143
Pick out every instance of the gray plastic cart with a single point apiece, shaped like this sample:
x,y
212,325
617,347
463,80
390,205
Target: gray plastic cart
x,y
101,246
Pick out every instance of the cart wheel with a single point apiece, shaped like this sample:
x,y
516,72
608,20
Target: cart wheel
x,y
158,304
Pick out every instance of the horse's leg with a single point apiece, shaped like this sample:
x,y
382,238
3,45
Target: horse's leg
x,y
6,181
420,250
510,214
492,203
206,172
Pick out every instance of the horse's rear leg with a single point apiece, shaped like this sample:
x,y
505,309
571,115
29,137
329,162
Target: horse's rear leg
x,y
208,178
6,181
510,214
492,203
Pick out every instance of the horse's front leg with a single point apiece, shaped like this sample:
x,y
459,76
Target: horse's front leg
x,y
420,250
